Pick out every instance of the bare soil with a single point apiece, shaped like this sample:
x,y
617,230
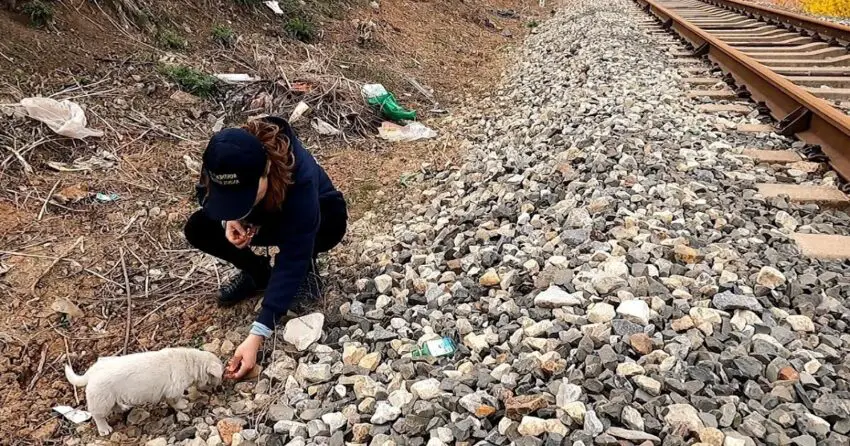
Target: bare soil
x,y
101,255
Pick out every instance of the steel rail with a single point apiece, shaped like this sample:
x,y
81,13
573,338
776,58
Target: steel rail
x,y
825,30
800,113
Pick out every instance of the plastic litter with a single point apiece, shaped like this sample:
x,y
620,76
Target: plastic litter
x,y
76,415
236,77
106,198
299,111
435,348
378,96
274,6
324,128
193,165
65,118
105,160
409,132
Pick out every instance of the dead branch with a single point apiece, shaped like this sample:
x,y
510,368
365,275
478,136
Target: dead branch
x,y
44,206
129,302
52,264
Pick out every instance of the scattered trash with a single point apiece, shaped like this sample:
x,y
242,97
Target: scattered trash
x,y
409,132
300,109
63,305
507,13
193,165
105,160
324,128
378,96
4,268
76,415
72,194
274,5
428,92
331,97
65,118
106,198
435,348
236,77
219,124
302,87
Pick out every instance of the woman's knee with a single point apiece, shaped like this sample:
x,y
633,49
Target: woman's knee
x,y
198,229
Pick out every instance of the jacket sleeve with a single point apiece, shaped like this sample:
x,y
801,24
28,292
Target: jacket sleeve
x,y
296,253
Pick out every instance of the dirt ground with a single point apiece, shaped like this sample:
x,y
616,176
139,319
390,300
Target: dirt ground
x,y
83,278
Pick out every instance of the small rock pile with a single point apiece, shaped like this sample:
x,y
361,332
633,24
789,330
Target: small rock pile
x,y
604,264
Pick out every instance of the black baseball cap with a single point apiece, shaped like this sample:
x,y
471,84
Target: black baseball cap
x,y
234,162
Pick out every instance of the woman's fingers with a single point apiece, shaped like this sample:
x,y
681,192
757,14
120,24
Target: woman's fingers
x,y
245,367
234,362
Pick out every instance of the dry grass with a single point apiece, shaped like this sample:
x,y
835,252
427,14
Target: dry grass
x,y
832,8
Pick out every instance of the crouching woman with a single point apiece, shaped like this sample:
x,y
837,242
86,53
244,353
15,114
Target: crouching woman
x,y
260,187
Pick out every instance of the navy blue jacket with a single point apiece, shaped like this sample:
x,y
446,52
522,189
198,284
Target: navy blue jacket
x,y
293,228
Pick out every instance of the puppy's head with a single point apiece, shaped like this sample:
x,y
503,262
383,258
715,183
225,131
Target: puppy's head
x,y
212,369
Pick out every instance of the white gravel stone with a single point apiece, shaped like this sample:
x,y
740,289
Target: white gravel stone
x,y
635,310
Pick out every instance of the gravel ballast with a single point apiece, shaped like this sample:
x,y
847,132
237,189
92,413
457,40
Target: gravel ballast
x,y
601,259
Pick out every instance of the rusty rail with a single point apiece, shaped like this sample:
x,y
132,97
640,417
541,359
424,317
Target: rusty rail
x,y
825,30
812,119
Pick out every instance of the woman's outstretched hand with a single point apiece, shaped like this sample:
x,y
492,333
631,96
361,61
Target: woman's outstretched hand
x,y
238,234
244,358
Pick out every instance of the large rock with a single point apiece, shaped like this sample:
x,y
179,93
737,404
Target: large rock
x,y
635,310
555,297
303,331
535,427
729,301
685,416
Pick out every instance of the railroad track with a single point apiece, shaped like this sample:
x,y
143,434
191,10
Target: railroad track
x,y
795,67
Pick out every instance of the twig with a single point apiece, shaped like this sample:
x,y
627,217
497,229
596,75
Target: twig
x,y
40,368
52,264
68,358
129,302
38,256
27,167
44,206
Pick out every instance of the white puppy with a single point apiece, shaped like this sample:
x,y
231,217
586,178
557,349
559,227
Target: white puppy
x,y
140,378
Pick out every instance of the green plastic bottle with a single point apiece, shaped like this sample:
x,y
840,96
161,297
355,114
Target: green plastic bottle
x,y
435,348
378,96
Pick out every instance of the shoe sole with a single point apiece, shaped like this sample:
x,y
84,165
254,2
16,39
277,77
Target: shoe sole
x,y
230,303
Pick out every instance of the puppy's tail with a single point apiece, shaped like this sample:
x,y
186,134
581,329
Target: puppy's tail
x,y
75,379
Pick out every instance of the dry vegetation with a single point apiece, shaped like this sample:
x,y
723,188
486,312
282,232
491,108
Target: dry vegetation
x,y
82,278
831,8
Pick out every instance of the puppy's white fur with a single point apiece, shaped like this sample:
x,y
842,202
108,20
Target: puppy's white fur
x,y
140,378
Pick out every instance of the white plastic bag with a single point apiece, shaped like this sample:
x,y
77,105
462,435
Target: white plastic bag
x,y
324,128
299,111
274,6
409,132
372,90
76,415
65,118
235,78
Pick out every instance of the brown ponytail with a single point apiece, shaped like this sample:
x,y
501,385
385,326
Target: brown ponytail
x,y
281,160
